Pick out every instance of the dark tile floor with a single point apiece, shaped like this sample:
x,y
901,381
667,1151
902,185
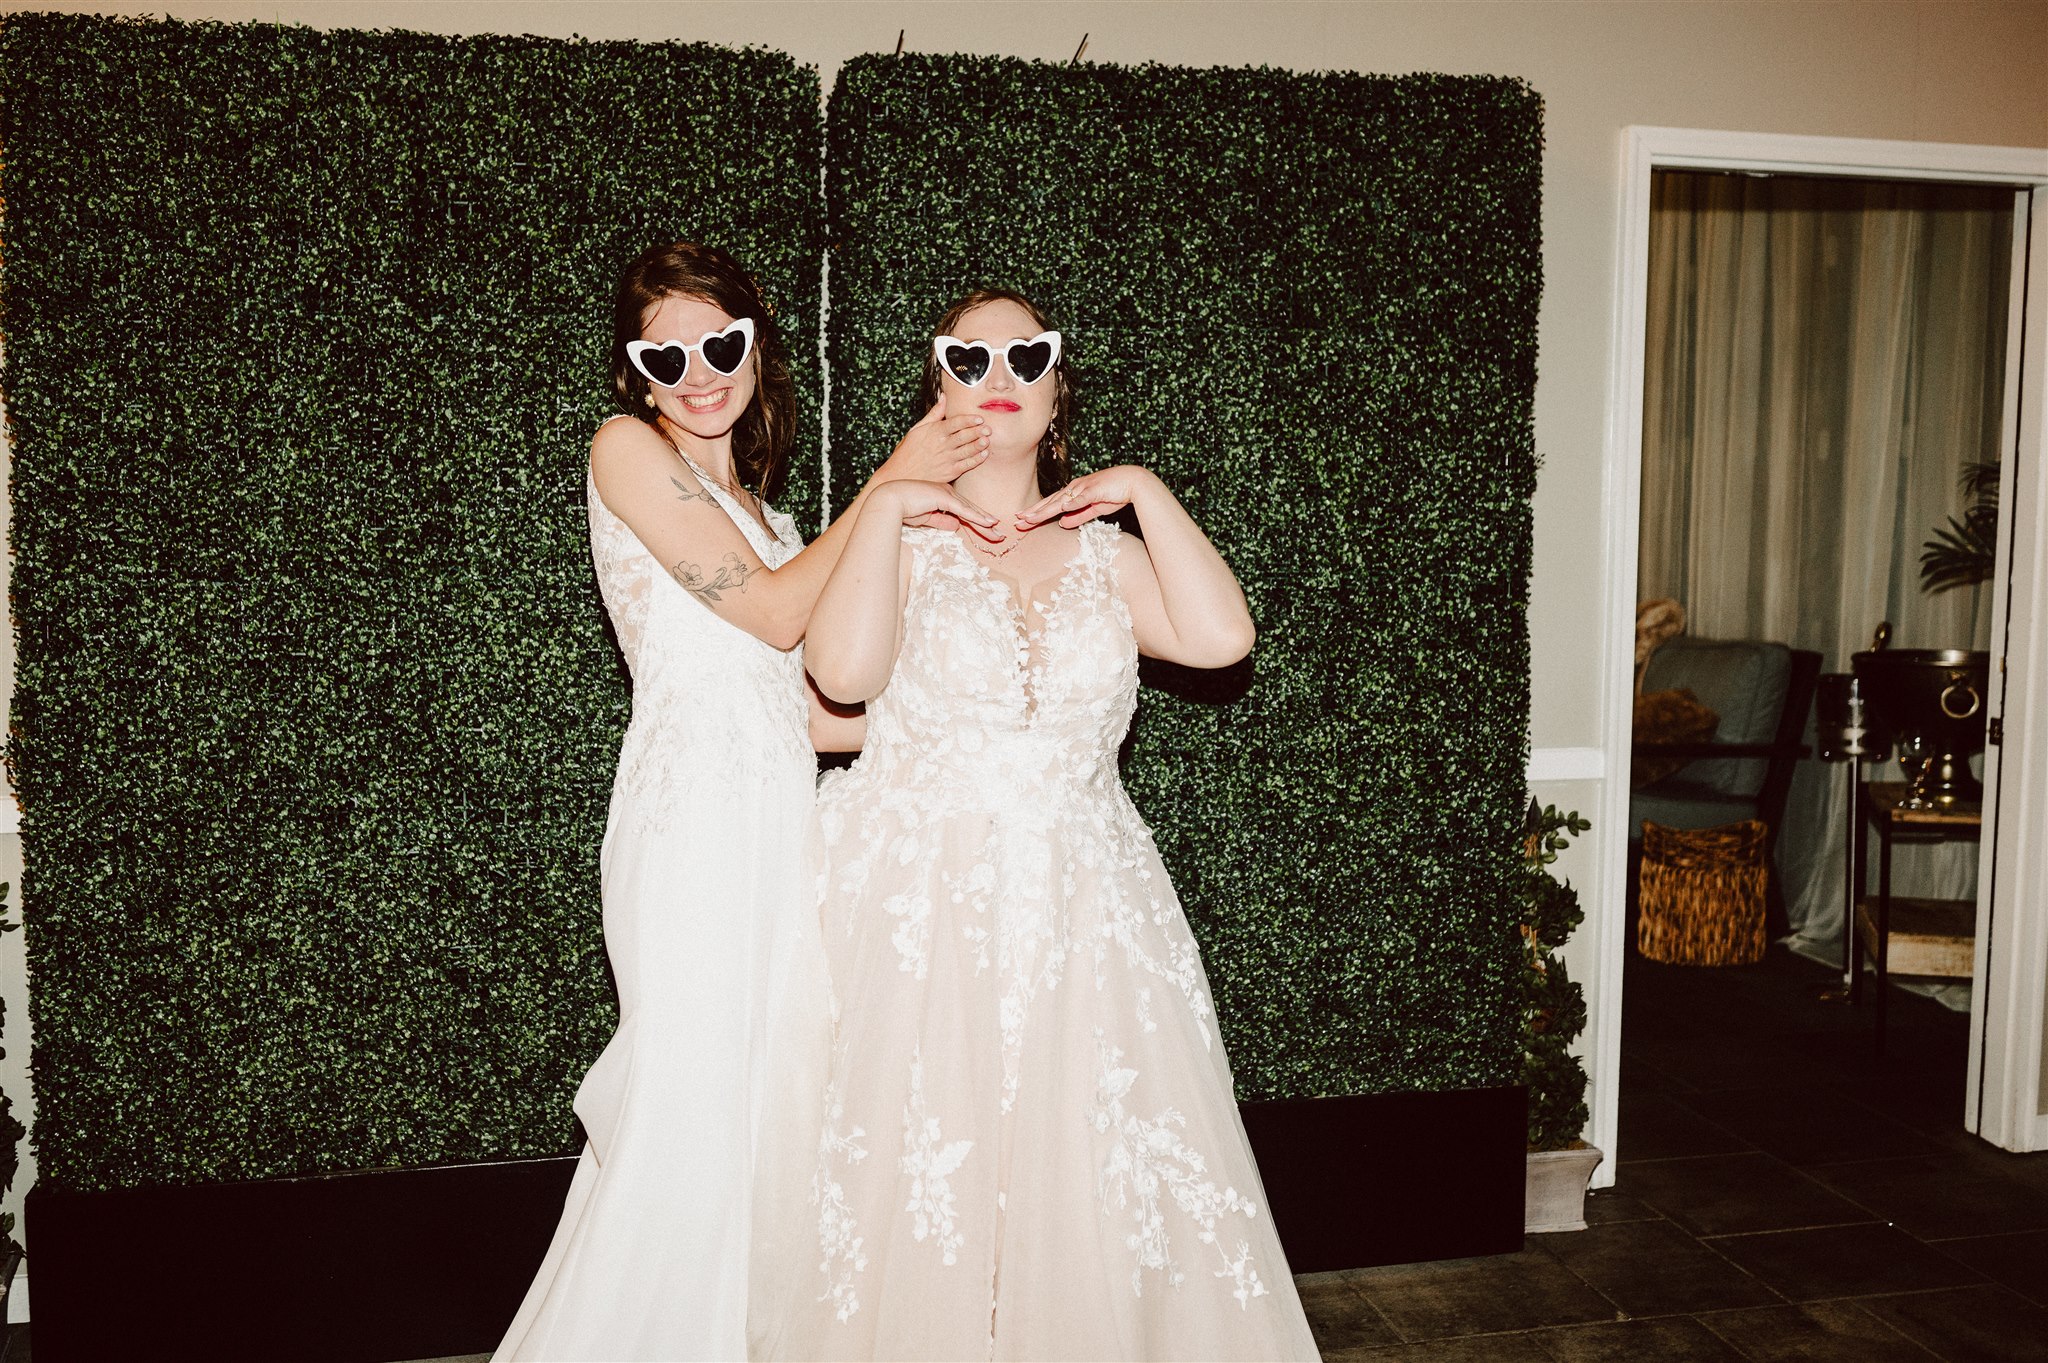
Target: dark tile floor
x,y
1782,1195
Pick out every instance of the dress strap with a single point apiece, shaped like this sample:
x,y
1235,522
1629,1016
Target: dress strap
x,y
1099,540
752,529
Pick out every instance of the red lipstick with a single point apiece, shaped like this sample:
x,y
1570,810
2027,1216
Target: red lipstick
x,y
1000,405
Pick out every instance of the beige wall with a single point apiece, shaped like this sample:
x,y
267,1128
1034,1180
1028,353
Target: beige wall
x,y
1911,69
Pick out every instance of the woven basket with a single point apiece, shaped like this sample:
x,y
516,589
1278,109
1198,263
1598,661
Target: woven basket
x,y
1703,894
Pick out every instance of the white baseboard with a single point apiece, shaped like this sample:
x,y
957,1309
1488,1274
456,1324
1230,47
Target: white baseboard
x,y
17,1298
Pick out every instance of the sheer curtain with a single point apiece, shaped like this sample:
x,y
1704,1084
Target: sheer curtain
x,y
1823,358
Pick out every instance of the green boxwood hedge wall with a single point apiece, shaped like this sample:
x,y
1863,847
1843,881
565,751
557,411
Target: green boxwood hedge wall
x,y
1309,302
316,714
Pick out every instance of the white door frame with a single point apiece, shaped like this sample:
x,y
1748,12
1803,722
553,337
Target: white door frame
x,y
2004,1102
2011,996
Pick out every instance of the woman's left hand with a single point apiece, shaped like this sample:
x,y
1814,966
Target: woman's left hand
x,y
1102,493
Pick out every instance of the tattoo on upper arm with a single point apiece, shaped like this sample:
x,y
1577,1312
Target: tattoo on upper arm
x,y
684,494
732,575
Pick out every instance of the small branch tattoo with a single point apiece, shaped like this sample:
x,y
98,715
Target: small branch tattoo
x,y
731,576
684,494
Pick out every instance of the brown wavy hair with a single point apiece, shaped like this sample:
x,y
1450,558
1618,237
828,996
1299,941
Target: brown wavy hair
x,y
1055,447
764,433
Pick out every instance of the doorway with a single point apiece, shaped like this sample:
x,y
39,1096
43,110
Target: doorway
x,y
2005,1093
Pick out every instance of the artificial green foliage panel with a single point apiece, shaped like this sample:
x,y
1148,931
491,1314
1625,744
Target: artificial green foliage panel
x,y
316,711
1309,302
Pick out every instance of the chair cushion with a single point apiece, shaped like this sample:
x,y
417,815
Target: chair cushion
x,y
1744,683
1667,717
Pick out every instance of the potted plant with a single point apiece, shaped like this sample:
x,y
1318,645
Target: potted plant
x,y
1553,1015
11,1132
1962,553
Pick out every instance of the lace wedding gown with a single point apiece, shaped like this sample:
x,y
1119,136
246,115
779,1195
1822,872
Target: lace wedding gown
x,y
1031,1148
708,1091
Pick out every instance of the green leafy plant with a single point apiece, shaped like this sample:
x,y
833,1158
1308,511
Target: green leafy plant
x,y
11,1129
1963,552
1554,1008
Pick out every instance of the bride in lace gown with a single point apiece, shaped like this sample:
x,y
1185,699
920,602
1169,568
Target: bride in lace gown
x,y
1031,1147
707,1092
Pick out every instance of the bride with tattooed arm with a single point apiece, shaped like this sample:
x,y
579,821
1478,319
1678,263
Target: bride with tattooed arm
x,y
702,1110
1031,1146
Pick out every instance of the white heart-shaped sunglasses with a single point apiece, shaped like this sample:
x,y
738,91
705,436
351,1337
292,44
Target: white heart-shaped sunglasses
x,y
666,362
971,361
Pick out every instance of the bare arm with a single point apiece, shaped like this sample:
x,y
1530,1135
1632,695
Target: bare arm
x,y
858,625
1186,606
835,727
644,483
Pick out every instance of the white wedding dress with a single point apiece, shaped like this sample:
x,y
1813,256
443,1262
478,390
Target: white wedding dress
x,y
1031,1149
703,1111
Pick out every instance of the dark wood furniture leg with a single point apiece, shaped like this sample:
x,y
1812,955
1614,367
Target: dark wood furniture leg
x,y
1884,923
1859,878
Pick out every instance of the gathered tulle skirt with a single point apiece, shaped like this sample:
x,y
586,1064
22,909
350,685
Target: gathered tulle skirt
x,y
1031,1146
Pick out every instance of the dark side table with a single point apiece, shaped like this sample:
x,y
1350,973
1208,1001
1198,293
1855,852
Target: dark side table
x,y
1936,937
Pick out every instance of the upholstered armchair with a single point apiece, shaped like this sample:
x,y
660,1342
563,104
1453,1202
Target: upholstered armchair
x,y
1762,693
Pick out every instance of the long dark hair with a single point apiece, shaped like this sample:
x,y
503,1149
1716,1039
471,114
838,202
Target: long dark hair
x,y
1055,447
762,436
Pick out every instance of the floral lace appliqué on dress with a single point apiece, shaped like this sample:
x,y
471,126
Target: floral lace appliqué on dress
x,y
713,707
1033,1148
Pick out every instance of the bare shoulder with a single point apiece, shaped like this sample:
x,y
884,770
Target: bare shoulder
x,y
623,441
1125,550
630,461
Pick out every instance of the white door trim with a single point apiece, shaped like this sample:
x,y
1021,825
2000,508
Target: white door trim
x,y
1645,149
2004,1103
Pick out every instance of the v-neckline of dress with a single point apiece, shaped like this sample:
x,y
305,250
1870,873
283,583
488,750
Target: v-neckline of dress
x,y
1022,635
1019,610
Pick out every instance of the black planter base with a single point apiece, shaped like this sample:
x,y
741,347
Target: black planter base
x,y
1393,1178
422,1263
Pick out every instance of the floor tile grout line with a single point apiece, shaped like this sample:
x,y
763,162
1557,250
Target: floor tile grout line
x,y
1855,1297
1984,1235
1938,1152
1872,1213
1625,1314
1707,1154
1708,1325
1868,1112
1384,1318
1873,1220
1355,1289
1508,1333
1918,1344
1701,1241
1619,1313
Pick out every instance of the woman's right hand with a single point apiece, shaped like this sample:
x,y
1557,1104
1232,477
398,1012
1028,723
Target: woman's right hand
x,y
919,502
938,449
